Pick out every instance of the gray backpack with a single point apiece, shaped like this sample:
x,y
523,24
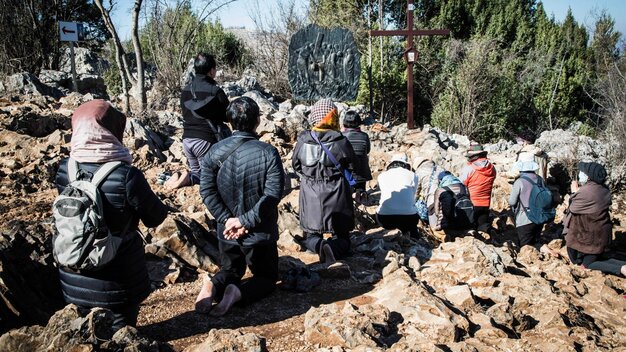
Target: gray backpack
x,y
82,240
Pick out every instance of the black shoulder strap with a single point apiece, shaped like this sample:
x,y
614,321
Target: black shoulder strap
x,y
235,146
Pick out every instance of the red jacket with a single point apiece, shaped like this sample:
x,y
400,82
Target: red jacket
x,y
478,177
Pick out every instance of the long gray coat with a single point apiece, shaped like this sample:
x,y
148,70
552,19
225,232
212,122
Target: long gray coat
x,y
325,197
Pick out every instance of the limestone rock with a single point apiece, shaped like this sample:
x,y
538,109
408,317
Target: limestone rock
x,y
189,241
69,330
461,296
26,83
29,284
87,62
266,106
423,314
346,325
224,340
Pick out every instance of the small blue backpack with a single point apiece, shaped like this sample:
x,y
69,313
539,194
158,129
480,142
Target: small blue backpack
x,y
540,208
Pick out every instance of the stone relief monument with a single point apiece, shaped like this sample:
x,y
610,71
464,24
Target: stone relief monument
x,y
324,63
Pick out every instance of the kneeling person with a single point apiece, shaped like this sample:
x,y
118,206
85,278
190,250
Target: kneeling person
x,y
241,185
398,185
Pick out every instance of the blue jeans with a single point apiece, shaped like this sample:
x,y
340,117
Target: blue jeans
x,y
195,149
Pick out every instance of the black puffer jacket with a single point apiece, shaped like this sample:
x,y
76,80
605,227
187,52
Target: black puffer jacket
x,y
124,281
215,110
325,196
248,185
360,142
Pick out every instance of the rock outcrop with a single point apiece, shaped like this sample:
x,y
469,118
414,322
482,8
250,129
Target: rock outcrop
x,y
69,330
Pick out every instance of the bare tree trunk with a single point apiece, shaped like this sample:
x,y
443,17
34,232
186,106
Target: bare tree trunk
x,y
120,53
140,84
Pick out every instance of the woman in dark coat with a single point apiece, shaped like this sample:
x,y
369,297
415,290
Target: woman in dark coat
x,y
325,196
588,228
123,283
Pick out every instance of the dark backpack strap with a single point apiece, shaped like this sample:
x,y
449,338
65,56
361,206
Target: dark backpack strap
x,y
346,173
236,146
532,184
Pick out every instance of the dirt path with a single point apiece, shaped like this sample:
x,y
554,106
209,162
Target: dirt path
x,y
168,313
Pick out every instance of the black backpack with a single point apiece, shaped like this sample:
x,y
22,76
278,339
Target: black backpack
x,y
463,208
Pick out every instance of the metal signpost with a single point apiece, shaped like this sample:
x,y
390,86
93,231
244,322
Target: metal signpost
x,y
71,32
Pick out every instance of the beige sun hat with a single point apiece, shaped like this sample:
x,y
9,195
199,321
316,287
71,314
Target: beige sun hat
x,y
526,162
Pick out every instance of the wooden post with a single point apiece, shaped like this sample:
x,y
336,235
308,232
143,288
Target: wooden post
x,y
409,32
73,67
409,67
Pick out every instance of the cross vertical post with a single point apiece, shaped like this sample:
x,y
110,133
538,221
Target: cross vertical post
x,y
410,53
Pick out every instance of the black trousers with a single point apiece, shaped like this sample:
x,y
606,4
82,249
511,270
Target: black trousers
x,y
481,218
404,223
600,262
529,234
339,243
360,186
263,263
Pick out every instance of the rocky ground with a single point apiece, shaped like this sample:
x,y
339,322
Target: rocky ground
x,y
393,293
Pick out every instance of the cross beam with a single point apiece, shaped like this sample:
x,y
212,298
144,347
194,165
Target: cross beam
x,y
409,33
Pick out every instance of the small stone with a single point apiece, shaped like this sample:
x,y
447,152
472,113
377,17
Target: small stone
x,y
414,264
461,296
390,268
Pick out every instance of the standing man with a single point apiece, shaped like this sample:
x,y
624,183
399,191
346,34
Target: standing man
x,y
204,112
478,176
241,185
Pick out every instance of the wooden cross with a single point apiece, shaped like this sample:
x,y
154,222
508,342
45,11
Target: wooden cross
x,y
410,54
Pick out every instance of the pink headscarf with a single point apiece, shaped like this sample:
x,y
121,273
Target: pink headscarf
x,y
97,133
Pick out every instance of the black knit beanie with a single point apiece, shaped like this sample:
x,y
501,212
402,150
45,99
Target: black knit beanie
x,y
595,171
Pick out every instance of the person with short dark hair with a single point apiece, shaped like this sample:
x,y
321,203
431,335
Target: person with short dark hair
x,y
326,204
203,105
361,144
398,188
588,227
120,285
241,185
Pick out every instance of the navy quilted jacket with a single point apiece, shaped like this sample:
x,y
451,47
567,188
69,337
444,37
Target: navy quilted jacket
x,y
247,185
124,281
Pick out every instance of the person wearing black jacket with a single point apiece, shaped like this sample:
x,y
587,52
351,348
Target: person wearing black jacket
x,y
203,105
361,144
121,285
241,185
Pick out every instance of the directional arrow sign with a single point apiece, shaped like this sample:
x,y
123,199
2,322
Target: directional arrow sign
x,y
68,31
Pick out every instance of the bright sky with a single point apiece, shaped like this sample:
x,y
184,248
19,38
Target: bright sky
x,y
237,14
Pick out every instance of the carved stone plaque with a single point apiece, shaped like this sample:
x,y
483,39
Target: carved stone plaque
x,y
324,63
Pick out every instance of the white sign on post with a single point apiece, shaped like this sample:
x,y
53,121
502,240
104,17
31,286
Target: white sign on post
x,y
68,31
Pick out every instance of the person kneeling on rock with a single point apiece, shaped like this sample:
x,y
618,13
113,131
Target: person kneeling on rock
x,y
122,283
398,187
588,228
241,186
321,157
453,208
